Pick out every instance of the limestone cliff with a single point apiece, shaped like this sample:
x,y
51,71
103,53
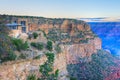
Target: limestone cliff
x,y
75,51
71,54
74,37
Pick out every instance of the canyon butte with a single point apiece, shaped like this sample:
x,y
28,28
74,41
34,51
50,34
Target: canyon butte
x,y
78,51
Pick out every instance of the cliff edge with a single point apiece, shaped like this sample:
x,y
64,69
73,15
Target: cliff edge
x,y
80,51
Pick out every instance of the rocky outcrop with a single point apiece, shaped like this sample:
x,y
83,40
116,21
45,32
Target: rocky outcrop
x,y
19,70
71,53
100,66
114,76
35,23
76,51
73,36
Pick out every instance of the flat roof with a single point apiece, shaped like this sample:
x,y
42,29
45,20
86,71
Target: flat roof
x,y
13,24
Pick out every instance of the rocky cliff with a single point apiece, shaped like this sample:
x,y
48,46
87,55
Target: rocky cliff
x,y
42,23
75,51
109,34
19,70
80,57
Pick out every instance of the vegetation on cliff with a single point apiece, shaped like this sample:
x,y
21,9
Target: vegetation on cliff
x,y
35,35
40,20
38,46
97,69
62,31
20,44
49,45
46,70
6,46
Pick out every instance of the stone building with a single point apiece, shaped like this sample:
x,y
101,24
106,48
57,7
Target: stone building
x,y
18,27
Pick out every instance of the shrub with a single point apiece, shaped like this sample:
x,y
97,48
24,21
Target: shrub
x,y
6,48
54,34
58,49
49,45
25,45
37,57
83,41
33,44
11,56
35,35
38,46
31,77
44,34
47,68
22,56
20,45
72,78
80,35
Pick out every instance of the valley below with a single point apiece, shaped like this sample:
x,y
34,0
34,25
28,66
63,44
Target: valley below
x,y
109,34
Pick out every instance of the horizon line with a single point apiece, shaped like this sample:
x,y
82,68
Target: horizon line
x,y
57,17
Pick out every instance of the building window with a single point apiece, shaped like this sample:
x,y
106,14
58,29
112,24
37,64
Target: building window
x,y
23,23
14,27
23,29
15,21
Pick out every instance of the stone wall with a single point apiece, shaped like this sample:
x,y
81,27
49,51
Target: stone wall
x,y
15,33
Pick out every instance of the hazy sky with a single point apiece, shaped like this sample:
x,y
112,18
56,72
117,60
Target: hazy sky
x,y
61,8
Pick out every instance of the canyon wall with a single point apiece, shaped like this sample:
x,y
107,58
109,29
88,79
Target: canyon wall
x,y
73,36
19,70
77,42
109,33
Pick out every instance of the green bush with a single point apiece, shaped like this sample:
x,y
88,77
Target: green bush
x,y
37,57
25,45
6,48
83,41
33,44
47,68
49,45
22,56
54,34
35,35
31,77
20,45
72,78
45,35
38,46
11,56
58,49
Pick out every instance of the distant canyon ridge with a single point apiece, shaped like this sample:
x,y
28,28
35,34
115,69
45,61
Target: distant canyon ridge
x,y
109,33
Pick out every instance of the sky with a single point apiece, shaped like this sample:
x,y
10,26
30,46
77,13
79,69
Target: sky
x,y
61,8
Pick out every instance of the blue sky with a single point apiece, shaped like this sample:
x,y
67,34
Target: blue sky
x,y
61,8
